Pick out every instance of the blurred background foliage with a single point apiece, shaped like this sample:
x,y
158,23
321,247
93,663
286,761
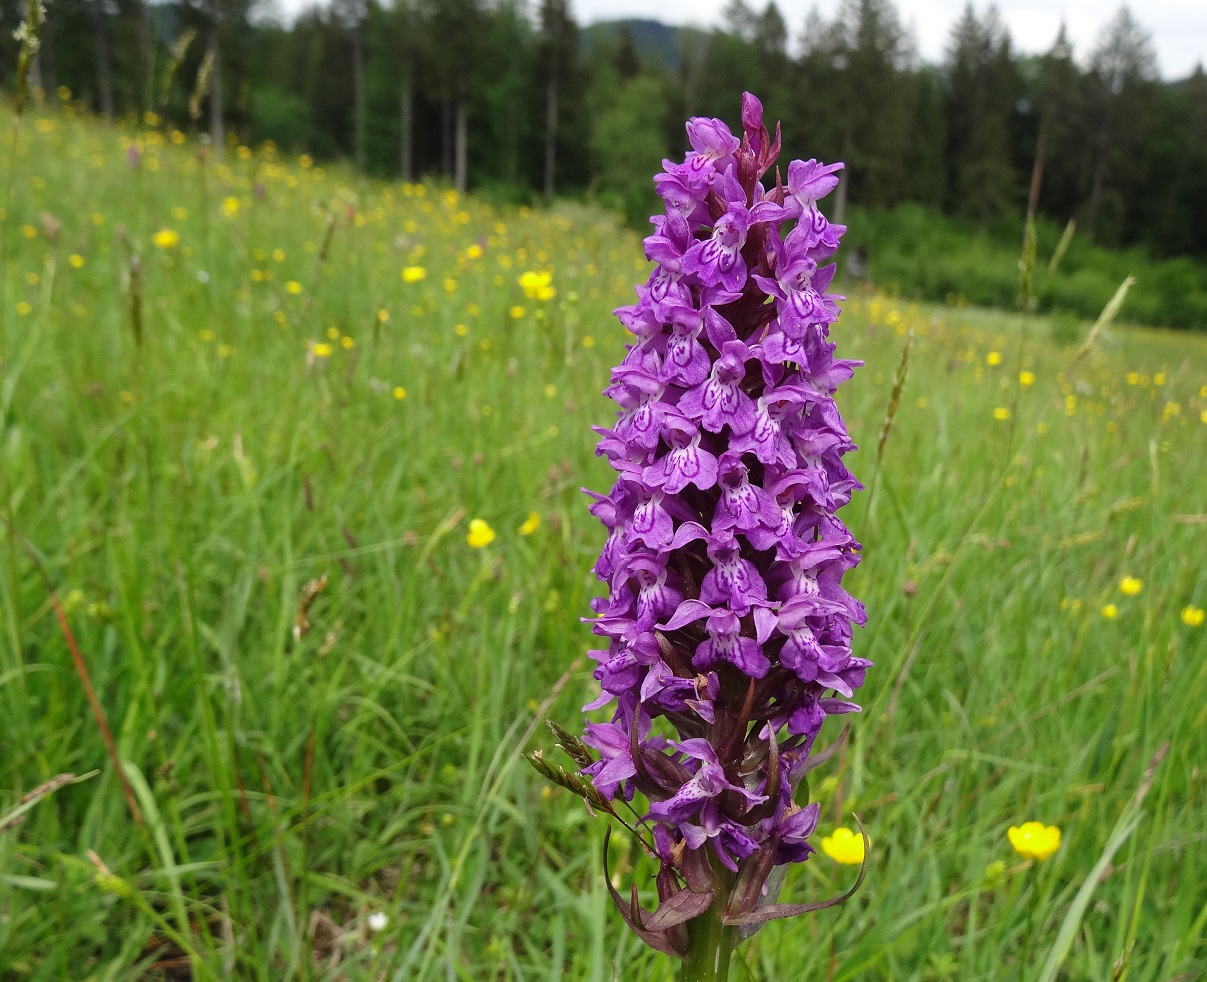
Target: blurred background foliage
x,y
518,101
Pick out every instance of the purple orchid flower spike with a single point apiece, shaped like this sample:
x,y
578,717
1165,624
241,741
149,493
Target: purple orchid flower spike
x,y
725,619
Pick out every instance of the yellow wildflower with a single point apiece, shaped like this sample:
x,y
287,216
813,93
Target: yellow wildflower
x,y
383,316
844,846
293,286
75,260
1026,379
1034,840
225,350
537,286
1001,413
1110,611
29,231
461,330
1129,586
413,274
166,238
516,312
322,350
993,358
230,207
347,342
473,251
1193,616
531,524
480,534
399,393
278,255
23,308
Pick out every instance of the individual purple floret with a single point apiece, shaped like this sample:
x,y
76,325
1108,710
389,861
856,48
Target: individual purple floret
x,y
728,631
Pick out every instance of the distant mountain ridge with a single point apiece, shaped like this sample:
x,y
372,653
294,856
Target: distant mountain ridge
x,y
652,38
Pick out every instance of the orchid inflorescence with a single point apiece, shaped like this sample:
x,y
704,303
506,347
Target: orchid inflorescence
x,y
725,615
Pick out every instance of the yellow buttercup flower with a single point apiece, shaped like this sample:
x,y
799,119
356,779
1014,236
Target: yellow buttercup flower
x,y
1001,414
480,534
293,286
537,286
399,393
413,274
1129,586
1034,840
1110,611
993,358
1193,616
516,312
531,524
166,238
322,350
76,261
844,846
1026,379
230,206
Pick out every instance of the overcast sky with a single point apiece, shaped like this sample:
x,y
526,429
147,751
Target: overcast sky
x,y
1178,27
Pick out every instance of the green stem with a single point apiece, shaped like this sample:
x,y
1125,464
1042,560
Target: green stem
x,y
710,945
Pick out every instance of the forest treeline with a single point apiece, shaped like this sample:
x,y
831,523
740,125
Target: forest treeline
x,y
519,101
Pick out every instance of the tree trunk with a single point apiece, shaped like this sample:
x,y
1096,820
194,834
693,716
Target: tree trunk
x,y
461,149
1096,194
446,138
407,111
44,68
358,89
840,196
104,60
217,117
550,134
146,66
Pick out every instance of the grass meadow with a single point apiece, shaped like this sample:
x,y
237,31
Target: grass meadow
x,y
249,409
